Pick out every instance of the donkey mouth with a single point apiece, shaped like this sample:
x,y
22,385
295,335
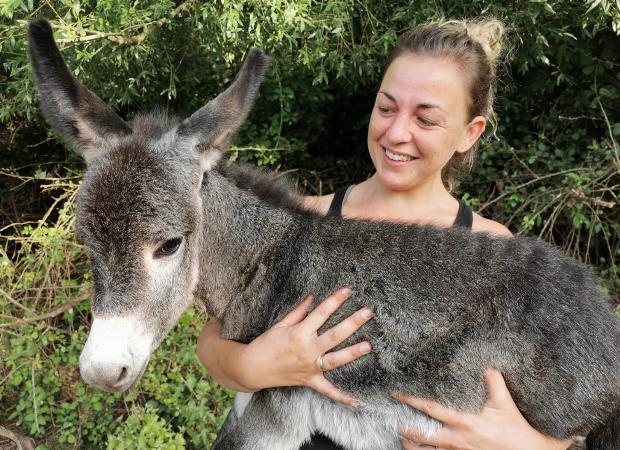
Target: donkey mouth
x,y
109,381
125,380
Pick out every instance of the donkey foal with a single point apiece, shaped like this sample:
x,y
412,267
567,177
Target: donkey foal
x,y
167,223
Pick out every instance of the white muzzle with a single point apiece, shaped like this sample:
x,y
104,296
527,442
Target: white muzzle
x,y
116,353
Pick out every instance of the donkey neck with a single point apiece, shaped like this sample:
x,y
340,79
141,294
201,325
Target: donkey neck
x,y
242,236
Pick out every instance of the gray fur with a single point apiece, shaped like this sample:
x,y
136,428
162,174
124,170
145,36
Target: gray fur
x,y
448,304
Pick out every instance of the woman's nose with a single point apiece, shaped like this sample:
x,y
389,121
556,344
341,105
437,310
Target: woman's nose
x,y
399,132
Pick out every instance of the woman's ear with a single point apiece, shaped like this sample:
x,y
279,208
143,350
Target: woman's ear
x,y
473,131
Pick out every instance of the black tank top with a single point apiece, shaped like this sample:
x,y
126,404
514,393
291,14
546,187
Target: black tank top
x,y
464,218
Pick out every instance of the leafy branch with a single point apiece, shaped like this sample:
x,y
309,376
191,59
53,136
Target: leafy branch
x,y
121,37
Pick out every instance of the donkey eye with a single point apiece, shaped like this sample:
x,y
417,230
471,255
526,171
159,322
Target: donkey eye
x,y
168,248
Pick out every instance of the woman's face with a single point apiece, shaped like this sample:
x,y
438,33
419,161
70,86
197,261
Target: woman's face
x,y
419,121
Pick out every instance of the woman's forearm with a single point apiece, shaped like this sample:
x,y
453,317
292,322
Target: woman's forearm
x,y
222,358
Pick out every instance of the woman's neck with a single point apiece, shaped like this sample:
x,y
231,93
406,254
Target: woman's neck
x,y
429,203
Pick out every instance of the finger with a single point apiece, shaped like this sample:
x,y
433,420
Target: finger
x,y
439,440
344,329
298,313
498,391
337,359
323,386
429,407
326,308
409,445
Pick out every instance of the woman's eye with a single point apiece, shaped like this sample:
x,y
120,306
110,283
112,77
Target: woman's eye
x,y
168,248
425,122
383,109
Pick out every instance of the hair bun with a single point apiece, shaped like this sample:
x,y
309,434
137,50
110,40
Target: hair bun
x,y
489,33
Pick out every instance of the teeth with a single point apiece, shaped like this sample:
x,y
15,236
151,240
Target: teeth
x,y
396,157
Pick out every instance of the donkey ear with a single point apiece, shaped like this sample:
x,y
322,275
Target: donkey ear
x,y
212,126
78,115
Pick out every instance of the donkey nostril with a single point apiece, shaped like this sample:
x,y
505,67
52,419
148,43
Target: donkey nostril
x,y
123,375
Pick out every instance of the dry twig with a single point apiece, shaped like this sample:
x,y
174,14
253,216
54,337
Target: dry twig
x,y
22,442
49,315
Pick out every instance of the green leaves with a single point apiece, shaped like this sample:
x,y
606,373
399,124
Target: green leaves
x,y
9,7
144,430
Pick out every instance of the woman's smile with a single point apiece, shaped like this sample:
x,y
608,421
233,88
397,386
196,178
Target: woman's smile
x,y
397,158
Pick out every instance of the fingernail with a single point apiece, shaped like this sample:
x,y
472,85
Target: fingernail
x,y
347,291
354,404
405,438
366,348
367,313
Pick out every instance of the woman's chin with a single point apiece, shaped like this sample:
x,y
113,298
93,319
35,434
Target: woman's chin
x,y
399,176
398,181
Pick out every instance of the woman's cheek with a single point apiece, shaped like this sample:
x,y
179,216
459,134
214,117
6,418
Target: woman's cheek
x,y
376,129
381,122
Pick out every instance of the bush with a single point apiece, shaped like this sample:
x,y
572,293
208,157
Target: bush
x,y
144,429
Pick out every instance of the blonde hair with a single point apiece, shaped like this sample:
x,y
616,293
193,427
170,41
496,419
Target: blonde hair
x,y
476,47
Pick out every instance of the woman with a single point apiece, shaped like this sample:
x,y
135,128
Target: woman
x,y
433,105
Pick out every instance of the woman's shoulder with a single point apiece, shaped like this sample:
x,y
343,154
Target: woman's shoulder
x,y
482,225
319,204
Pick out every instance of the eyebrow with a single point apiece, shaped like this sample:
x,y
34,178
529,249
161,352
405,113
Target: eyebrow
x,y
421,105
388,96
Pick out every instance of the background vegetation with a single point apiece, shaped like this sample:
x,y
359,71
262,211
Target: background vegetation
x,y
551,170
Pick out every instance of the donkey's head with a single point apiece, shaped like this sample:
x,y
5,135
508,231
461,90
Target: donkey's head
x,y
139,209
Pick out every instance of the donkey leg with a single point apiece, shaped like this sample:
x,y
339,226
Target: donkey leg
x,y
273,420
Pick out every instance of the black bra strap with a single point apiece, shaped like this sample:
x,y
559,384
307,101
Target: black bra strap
x,y
465,217
335,209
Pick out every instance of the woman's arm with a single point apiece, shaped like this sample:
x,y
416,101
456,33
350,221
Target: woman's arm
x,y
222,358
288,353
500,424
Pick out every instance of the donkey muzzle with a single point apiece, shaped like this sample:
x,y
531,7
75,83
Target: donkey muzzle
x,y
116,353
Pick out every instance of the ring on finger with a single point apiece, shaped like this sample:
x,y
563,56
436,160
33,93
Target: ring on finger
x,y
319,363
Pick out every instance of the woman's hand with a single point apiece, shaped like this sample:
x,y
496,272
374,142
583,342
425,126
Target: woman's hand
x,y
500,424
290,353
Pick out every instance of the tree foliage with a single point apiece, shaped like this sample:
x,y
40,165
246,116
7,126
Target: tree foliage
x,y
552,168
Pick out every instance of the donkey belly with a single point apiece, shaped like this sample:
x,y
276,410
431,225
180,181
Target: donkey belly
x,y
283,419
372,425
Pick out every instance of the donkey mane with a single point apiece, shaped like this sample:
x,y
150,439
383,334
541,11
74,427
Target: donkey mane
x,y
273,188
154,123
